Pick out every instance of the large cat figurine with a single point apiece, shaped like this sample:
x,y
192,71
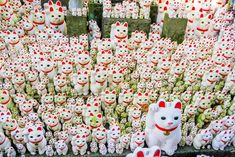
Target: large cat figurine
x,y
56,16
119,32
163,125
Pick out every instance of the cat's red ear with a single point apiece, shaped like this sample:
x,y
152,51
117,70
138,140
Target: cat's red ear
x,y
140,154
157,153
51,9
178,105
162,103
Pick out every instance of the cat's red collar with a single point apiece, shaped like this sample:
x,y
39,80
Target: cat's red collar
x,y
202,30
39,23
3,141
57,24
4,103
164,129
36,141
3,3
121,38
15,42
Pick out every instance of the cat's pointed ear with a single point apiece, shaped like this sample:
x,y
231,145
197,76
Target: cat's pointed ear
x,y
157,153
162,103
177,104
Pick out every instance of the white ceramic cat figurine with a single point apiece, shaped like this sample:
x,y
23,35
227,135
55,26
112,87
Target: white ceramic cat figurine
x,y
163,125
37,141
56,16
119,32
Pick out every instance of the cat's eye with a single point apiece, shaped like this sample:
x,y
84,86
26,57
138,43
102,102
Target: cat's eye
x,y
176,118
163,118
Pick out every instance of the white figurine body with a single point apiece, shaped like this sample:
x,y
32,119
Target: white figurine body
x,y
36,140
163,125
222,140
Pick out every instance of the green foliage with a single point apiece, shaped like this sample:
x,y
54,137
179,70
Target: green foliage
x,y
153,13
76,25
95,13
174,28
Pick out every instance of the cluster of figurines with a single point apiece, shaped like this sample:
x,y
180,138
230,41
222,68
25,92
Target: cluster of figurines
x,y
60,93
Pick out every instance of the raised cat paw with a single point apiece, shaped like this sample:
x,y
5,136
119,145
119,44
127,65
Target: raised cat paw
x,y
153,107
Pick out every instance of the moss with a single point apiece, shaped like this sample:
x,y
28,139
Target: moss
x,y
133,24
153,13
76,25
95,12
174,28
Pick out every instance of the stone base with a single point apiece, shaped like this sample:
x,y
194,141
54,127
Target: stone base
x,y
133,24
174,28
76,25
181,152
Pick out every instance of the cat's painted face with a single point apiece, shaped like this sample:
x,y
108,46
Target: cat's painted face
x,y
206,135
56,15
60,80
121,30
227,135
60,144
135,113
7,12
38,17
48,98
18,135
79,140
110,97
26,106
217,126
19,78
52,120
5,116
60,98
100,133
35,134
128,96
66,114
10,124
101,75
95,120
73,131
5,97
46,65
115,132
117,77
165,64
228,121
139,138
168,117
92,109
138,37
212,76
82,78
83,58
42,36
190,110
142,99
12,38
105,44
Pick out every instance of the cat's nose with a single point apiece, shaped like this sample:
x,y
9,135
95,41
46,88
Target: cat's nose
x,y
170,123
